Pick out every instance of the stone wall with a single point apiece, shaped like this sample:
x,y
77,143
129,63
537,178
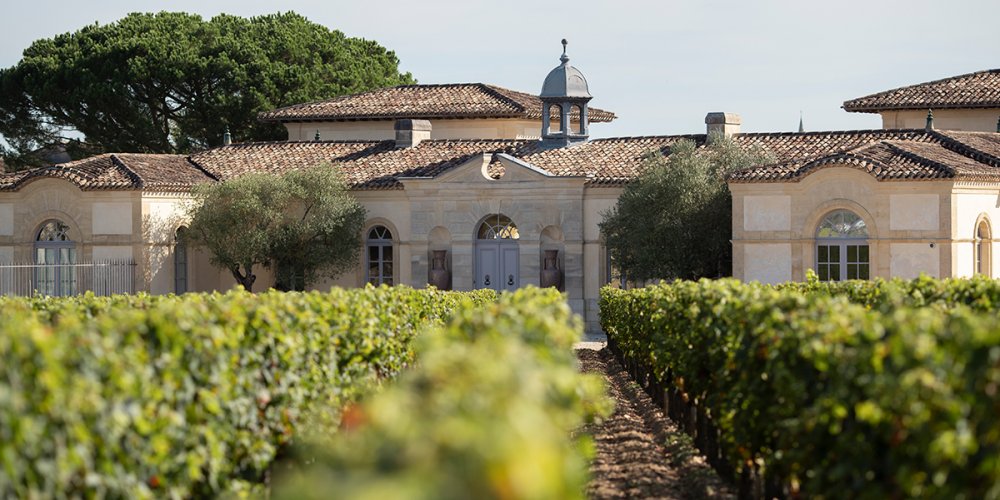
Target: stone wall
x,y
102,223
909,224
981,120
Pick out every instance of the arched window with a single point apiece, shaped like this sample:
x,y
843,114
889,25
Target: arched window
x,y
55,253
379,256
498,227
842,250
180,261
984,245
53,230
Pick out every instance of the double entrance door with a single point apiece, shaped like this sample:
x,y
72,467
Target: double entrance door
x,y
497,264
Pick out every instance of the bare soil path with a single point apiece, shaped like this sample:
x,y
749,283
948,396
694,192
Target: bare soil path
x,y
641,453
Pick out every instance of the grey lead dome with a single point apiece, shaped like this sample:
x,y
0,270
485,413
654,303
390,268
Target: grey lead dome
x,y
565,80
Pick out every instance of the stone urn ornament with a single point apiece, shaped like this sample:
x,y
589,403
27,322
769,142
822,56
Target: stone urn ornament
x,y
440,276
551,275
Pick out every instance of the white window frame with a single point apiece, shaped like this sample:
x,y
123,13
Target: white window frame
x,y
59,275
843,242
379,239
983,248
842,246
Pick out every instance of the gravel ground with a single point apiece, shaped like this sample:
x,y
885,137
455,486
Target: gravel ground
x,y
641,453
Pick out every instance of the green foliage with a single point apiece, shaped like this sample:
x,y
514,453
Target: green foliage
x,y
170,82
304,224
191,396
486,413
978,293
837,399
675,219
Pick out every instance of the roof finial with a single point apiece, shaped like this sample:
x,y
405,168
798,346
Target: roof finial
x,y
564,58
930,120
317,134
801,128
227,138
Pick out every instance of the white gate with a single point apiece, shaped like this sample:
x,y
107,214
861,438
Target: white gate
x,y
103,278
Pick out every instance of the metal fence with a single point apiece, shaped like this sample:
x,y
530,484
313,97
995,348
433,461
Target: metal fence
x,y
102,278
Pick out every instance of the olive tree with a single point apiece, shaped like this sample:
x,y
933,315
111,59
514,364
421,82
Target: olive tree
x,y
675,219
304,225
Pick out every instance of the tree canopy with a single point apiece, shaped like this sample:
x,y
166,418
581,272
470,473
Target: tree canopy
x,y
171,82
304,225
675,219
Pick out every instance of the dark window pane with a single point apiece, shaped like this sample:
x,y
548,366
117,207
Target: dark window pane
x,y
387,252
863,254
852,253
835,253
824,272
834,271
824,254
852,271
863,273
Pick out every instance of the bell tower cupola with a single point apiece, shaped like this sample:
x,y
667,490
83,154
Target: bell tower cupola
x,y
564,99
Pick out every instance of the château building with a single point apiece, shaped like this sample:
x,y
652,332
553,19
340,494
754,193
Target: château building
x,y
502,189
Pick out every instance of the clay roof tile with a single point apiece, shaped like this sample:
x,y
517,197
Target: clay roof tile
x,y
453,100
116,171
973,90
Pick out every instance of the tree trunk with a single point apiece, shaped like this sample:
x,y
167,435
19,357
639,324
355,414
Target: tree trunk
x,y
246,280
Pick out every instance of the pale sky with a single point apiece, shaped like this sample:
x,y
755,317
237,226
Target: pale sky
x,y
659,65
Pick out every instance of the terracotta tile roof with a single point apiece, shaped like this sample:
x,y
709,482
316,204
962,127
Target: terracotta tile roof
x,y
453,100
279,157
366,165
162,172
116,171
616,161
378,165
886,154
913,155
609,162
792,145
974,90
606,161
984,146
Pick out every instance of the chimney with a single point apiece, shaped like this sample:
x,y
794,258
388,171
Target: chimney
x,y
725,124
409,132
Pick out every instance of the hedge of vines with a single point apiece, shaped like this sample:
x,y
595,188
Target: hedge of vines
x,y
860,390
978,293
487,412
140,396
